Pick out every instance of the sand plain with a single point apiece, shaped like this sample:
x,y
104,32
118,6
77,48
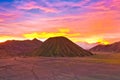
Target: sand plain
x,y
101,66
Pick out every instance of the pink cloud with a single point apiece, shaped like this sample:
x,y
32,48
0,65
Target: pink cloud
x,y
100,20
88,24
1,20
71,4
104,5
98,6
33,5
10,15
95,22
116,4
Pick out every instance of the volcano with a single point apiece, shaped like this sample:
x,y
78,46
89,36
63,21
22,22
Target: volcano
x,y
61,47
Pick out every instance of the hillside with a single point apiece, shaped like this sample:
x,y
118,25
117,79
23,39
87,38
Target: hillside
x,y
18,48
115,47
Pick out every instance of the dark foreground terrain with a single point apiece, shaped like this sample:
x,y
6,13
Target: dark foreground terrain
x,y
98,67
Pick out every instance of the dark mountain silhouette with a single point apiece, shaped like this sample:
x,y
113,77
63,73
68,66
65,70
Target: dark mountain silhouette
x,y
60,47
115,47
19,48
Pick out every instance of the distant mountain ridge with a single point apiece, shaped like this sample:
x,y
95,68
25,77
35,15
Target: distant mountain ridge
x,y
18,48
114,47
52,47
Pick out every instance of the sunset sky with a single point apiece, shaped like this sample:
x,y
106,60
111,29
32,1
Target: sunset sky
x,y
80,20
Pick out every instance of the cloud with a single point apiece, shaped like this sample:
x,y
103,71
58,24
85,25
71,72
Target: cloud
x,y
49,6
1,20
6,37
45,35
33,5
9,15
87,17
116,4
88,24
63,3
66,32
98,6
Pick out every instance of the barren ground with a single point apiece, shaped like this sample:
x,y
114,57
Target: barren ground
x,y
98,67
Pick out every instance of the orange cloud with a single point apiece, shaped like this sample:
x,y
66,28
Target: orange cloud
x,y
66,32
45,35
100,18
96,40
91,40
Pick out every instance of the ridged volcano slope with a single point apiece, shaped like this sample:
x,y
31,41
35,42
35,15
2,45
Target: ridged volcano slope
x,y
61,47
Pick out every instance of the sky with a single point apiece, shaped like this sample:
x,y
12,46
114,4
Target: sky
x,y
91,21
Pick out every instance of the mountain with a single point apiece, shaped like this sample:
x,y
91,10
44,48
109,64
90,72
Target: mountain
x,y
60,47
18,48
115,47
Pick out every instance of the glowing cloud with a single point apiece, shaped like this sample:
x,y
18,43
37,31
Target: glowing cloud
x,y
45,35
66,32
91,40
96,39
88,21
5,38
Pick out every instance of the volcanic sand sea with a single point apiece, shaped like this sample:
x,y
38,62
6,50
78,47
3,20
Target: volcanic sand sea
x,y
101,66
